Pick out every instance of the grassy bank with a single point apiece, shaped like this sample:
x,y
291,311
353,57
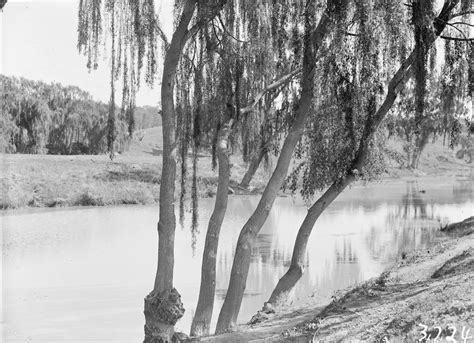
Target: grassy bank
x,y
94,180
51,181
425,290
134,176
55,181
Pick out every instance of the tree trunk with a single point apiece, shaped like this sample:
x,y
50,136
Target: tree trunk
x,y
415,157
255,162
419,146
296,269
202,319
163,307
252,169
240,267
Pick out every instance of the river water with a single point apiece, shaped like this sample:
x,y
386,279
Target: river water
x,y
77,275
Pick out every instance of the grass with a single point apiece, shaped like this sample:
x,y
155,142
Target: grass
x,y
55,181
134,176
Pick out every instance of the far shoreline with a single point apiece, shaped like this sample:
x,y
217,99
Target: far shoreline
x,y
441,181
133,178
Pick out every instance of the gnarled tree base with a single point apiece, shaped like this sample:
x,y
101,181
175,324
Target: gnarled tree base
x,y
162,311
286,284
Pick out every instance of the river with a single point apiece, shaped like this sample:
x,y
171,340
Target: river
x,y
76,275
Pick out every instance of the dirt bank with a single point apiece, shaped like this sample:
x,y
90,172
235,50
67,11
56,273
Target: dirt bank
x,y
427,292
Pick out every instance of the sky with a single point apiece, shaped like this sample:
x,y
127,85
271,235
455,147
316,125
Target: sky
x,y
38,41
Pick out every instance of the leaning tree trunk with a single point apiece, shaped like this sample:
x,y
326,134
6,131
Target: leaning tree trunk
x,y
163,306
252,169
415,158
202,318
240,267
295,271
420,143
257,160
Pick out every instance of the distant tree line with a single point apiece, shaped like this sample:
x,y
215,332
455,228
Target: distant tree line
x,y
40,118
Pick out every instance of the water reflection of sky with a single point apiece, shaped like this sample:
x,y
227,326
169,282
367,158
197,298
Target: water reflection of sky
x,y
85,270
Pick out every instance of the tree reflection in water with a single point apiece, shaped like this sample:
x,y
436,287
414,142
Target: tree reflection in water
x,y
464,189
360,235
412,224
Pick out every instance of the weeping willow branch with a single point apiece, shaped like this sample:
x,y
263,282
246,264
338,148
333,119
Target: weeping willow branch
x,y
460,14
351,34
133,28
422,16
454,27
227,31
278,83
458,39
406,70
461,23
111,119
204,20
162,35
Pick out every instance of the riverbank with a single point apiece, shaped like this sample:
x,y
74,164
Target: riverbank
x,y
425,290
64,181
134,176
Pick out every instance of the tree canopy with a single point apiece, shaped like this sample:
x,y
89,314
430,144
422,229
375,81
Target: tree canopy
x,y
51,118
317,77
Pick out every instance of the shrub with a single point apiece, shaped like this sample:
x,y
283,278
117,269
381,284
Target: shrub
x,y
89,199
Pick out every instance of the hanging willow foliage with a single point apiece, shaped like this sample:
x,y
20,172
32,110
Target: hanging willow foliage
x,y
275,49
348,89
131,34
471,71
233,58
422,18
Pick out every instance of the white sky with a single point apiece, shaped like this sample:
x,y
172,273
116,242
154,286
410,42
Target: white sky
x,y
38,41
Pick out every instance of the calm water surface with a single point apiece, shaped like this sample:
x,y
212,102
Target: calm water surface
x,y
81,274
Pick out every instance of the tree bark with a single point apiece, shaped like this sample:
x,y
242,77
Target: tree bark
x,y
296,269
283,80
202,318
257,160
252,169
163,307
420,144
240,267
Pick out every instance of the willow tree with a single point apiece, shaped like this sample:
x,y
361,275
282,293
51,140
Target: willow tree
x,y
224,81
128,27
133,31
276,50
38,117
456,79
362,103
314,37
445,107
